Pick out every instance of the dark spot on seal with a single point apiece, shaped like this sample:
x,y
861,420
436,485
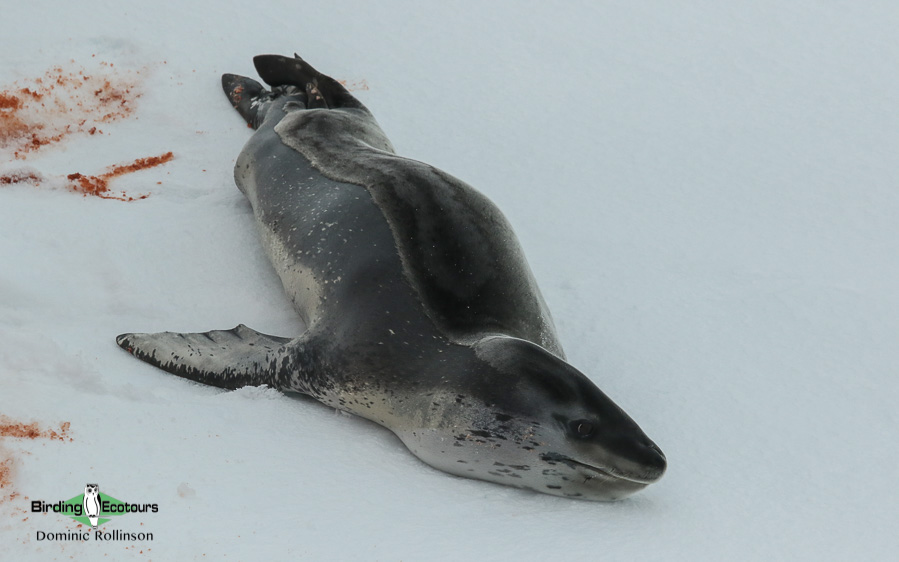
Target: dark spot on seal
x,y
551,487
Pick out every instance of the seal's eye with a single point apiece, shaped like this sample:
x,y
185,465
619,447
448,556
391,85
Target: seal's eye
x,y
583,428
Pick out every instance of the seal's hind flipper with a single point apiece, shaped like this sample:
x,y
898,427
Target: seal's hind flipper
x,y
278,70
223,358
246,95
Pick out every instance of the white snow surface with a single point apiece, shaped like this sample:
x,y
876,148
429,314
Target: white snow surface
x,y
707,192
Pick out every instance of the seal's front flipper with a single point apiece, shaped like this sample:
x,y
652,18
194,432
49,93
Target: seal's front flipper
x,y
223,358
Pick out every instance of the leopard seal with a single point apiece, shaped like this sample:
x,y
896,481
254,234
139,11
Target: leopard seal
x,y
422,314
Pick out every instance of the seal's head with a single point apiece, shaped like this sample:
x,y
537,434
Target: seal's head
x,y
536,422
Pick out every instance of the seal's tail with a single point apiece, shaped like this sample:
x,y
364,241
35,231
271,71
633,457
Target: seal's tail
x,y
292,80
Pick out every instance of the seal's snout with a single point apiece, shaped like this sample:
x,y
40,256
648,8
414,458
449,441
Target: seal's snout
x,y
647,461
655,461
638,457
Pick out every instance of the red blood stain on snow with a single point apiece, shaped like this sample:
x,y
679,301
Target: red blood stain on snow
x,y
21,176
9,102
96,185
7,472
16,429
10,428
354,85
99,185
47,109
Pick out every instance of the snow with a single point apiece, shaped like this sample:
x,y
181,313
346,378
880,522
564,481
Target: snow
x,y
707,193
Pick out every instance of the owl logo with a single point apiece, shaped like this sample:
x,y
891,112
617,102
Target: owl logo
x,y
92,503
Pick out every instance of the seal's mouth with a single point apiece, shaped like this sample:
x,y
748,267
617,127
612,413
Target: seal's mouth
x,y
608,473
